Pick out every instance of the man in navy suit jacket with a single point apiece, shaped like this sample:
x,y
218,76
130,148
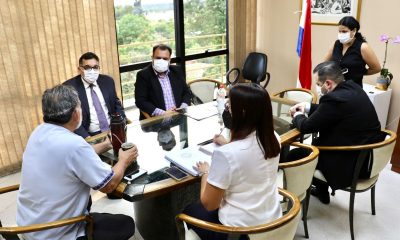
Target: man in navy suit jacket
x,y
161,88
104,87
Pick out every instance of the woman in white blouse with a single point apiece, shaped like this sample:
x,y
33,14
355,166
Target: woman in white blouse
x,y
239,188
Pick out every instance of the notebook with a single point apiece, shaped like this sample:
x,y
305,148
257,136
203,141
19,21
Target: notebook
x,y
187,158
209,148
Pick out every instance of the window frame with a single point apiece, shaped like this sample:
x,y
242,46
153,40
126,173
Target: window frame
x,y
180,57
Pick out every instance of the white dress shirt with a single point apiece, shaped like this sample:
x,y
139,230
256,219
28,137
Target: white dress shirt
x,y
250,183
94,121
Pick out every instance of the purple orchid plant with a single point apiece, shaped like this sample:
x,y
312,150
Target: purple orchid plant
x,y
385,38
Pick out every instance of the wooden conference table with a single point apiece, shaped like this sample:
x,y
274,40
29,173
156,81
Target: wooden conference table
x,y
157,198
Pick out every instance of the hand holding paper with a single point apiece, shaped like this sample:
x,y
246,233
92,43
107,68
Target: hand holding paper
x,y
300,107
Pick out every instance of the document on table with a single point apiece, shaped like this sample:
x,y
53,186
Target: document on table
x,y
200,112
187,158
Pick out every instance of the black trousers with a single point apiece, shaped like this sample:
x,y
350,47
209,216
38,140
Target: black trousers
x,y
198,211
111,227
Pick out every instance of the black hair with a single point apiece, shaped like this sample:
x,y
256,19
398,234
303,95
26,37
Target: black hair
x,y
252,110
352,24
162,47
329,70
87,56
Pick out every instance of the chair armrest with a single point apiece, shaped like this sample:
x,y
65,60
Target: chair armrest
x,y
392,138
314,154
145,114
49,225
97,137
243,230
235,79
9,189
281,93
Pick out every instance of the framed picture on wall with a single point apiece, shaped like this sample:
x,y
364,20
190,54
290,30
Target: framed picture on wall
x,y
329,12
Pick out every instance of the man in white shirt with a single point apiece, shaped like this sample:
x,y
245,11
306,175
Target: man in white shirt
x,y
98,98
58,170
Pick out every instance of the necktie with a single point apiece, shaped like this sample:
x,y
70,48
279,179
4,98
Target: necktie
x,y
101,116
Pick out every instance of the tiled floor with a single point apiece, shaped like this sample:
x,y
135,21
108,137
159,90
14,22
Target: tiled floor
x,y
325,221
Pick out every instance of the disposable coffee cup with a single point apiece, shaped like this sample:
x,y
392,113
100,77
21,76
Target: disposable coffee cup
x,y
126,146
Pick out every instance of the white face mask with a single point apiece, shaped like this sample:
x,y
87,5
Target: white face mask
x,y
160,65
320,94
344,37
91,76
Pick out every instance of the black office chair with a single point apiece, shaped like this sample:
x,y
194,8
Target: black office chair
x,y
254,70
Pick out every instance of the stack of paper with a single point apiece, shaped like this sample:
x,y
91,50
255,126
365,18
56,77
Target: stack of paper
x,y
209,148
187,158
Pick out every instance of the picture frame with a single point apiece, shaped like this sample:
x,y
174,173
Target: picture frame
x,y
329,12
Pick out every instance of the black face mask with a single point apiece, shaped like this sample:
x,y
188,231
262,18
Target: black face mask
x,y
227,118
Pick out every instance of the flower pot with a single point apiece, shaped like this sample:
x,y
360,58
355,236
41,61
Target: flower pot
x,y
384,80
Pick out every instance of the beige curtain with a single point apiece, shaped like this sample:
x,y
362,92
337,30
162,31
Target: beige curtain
x,y
242,30
40,44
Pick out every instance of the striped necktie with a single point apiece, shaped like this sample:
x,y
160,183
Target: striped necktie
x,y
101,116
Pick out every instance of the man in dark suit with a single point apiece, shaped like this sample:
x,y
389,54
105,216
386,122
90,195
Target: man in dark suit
x,y
161,88
344,116
98,99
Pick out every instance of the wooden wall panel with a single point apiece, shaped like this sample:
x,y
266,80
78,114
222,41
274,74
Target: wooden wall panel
x,y
242,31
40,44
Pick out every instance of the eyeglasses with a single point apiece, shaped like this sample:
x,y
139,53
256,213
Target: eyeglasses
x,y
87,67
165,58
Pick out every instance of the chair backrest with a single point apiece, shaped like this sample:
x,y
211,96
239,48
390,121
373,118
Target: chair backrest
x,y
298,174
297,94
382,155
283,228
382,152
255,67
11,232
204,89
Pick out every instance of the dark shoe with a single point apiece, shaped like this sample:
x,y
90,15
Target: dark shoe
x,y
323,196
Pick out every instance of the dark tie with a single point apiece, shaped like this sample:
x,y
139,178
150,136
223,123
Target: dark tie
x,y
101,116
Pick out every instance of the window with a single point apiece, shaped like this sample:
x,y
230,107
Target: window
x,y
141,25
194,29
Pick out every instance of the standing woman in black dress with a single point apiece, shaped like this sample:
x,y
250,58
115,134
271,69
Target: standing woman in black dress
x,y
352,52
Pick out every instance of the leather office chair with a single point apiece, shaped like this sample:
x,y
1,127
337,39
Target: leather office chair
x,y
203,90
11,233
381,154
254,70
283,228
297,175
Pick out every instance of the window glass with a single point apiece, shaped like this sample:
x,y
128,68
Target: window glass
x,y
205,25
211,67
141,24
128,80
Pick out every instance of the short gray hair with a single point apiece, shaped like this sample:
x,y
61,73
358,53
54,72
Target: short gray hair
x,y
58,104
329,70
